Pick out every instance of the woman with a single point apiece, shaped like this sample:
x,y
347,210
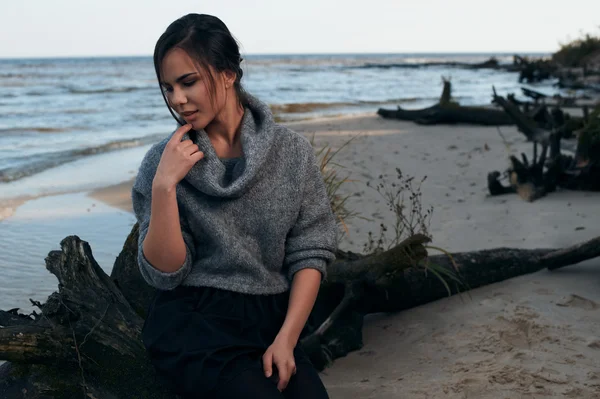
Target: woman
x,y
236,229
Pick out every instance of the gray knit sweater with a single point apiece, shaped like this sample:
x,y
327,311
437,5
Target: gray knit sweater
x,y
252,234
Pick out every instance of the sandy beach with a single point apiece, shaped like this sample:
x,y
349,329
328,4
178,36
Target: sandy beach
x,y
534,336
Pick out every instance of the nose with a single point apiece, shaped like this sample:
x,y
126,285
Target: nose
x,y
178,97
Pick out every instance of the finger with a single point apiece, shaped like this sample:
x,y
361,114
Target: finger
x,y
268,364
187,143
178,135
187,147
283,380
196,156
284,377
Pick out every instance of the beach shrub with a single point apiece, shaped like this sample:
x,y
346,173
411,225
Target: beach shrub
x,y
403,198
575,53
588,143
334,180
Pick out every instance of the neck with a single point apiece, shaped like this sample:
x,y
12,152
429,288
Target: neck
x,y
225,126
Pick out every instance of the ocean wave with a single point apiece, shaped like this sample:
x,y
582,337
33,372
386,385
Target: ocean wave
x,y
370,65
34,129
81,111
42,162
13,75
36,93
293,89
306,107
74,90
292,108
424,64
12,83
153,116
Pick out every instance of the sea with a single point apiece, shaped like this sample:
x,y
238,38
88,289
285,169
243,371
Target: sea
x,y
55,111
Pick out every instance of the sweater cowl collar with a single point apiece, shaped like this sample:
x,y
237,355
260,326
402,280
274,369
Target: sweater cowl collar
x,y
256,135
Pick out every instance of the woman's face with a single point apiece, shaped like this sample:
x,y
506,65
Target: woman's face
x,y
188,89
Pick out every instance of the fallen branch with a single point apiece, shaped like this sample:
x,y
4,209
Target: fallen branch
x,y
89,327
448,112
549,168
572,255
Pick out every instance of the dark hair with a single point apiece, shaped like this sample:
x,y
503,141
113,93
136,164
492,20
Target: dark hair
x,y
207,40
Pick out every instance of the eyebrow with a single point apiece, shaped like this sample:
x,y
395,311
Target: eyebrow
x,y
179,79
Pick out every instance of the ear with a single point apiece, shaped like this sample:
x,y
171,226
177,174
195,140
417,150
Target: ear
x,y
229,78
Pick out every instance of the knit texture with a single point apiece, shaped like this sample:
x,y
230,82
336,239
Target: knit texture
x,y
252,234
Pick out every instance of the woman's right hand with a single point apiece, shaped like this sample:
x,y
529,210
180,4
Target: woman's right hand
x,y
177,159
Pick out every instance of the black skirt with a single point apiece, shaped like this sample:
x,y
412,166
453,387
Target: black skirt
x,y
198,338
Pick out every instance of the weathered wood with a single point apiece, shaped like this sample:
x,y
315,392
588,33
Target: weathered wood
x,y
86,338
572,255
533,94
534,70
480,116
555,101
85,342
525,125
448,112
552,169
126,276
406,115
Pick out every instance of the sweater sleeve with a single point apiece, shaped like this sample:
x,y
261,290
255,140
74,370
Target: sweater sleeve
x,y
312,241
141,196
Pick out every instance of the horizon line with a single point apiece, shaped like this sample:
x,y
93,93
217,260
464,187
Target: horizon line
x,y
491,53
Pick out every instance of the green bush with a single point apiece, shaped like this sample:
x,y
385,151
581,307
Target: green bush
x,y
588,144
573,54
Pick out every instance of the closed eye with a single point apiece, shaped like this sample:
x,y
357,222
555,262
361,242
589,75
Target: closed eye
x,y
189,84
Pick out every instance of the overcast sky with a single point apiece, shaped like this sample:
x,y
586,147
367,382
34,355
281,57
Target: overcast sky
x,y
53,28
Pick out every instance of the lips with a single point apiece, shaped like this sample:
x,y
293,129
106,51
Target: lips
x,y
188,113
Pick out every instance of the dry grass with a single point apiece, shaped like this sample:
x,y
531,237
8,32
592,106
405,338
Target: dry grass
x,y
333,182
404,200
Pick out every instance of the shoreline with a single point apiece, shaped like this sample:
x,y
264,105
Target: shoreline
x,y
107,191
10,205
9,202
456,179
116,195
373,135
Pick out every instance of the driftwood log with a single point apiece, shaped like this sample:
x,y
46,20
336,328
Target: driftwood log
x,y
534,70
85,339
555,101
550,169
449,112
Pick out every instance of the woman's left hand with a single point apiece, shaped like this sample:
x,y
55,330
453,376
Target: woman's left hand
x,y
280,354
